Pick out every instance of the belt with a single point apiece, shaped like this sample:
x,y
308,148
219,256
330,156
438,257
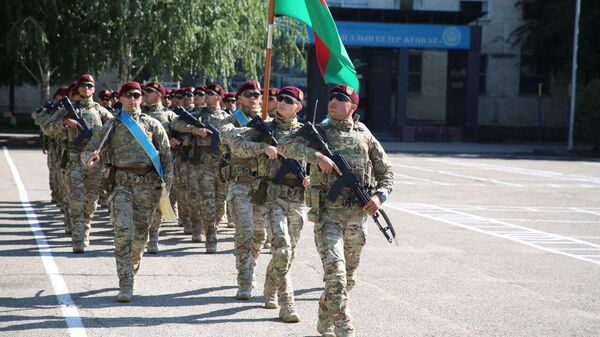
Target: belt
x,y
239,161
126,177
244,179
138,170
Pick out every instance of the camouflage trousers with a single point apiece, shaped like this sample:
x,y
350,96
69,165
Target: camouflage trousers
x,y
286,219
82,189
204,177
180,184
249,227
220,197
340,234
54,180
131,205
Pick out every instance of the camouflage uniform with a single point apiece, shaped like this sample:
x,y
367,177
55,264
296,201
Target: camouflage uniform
x,y
241,172
181,168
285,215
136,190
81,183
341,227
165,117
204,178
40,118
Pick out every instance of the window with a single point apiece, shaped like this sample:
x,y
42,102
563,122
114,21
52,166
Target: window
x,y
483,66
532,75
415,69
348,3
476,6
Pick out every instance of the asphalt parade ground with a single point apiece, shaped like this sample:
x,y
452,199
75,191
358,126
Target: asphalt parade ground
x,y
493,244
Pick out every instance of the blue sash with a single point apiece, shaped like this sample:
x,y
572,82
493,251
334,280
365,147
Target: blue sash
x,y
142,139
241,117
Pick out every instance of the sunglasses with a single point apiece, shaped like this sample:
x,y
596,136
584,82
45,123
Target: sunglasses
x,y
250,94
199,93
339,97
212,93
87,85
229,100
134,95
286,99
178,96
106,99
168,97
187,94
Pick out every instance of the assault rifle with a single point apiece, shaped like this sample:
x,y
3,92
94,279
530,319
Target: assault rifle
x,y
86,132
288,165
347,179
187,117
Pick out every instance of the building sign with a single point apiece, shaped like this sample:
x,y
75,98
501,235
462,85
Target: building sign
x,y
391,35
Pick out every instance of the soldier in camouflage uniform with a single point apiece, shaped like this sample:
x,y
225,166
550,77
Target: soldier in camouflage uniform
x,y
204,176
137,185
272,108
284,209
241,173
229,102
181,165
82,183
166,99
154,92
199,98
341,226
40,117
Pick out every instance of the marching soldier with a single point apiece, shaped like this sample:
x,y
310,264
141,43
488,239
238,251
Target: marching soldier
x,y
82,184
341,226
241,173
199,98
141,159
154,92
229,102
104,98
272,108
284,207
204,175
166,99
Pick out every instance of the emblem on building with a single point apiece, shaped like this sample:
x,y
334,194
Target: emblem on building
x,y
451,36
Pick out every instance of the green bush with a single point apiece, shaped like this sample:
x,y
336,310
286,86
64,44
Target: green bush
x,y
587,123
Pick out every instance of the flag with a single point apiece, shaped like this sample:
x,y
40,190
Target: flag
x,y
334,63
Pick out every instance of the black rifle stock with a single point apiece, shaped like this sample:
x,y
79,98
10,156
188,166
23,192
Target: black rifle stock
x,y
187,117
347,179
288,165
86,132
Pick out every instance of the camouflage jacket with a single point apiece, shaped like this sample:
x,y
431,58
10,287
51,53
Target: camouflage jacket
x,y
124,149
163,115
354,141
94,114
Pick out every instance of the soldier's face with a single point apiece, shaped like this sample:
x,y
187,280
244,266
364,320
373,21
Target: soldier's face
x,y
339,109
199,98
132,100
287,107
152,97
251,99
272,103
212,99
86,90
186,100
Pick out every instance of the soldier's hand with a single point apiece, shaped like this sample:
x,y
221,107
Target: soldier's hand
x,y
71,123
174,142
373,205
271,152
327,165
201,132
306,182
93,159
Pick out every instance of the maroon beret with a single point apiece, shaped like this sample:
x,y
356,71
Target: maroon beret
x,y
230,94
347,91
248,85
129,86
105,93
60,91
86,78
273,92
200,88
215,87
167,91
186,89
293,92
155,86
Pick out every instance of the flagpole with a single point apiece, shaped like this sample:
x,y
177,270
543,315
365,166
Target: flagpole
x,y
265,105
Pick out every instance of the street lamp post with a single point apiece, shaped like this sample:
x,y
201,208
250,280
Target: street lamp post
x,y
574,74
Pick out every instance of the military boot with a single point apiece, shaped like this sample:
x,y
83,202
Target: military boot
x,y
345,329
211,241
287,312
271,301
152,247
244,292
197,238
125,291
326,329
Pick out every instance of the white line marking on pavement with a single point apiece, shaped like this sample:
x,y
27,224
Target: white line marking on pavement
x,y
67,306
585,211
523,171
530,237
420,179
459,175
